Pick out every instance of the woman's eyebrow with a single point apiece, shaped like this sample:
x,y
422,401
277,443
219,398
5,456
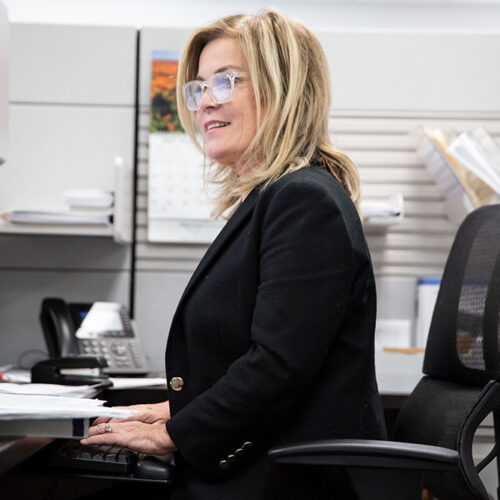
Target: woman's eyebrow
x,y
222,70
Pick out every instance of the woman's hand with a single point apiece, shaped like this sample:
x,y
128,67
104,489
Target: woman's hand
x,y
147,413
152,439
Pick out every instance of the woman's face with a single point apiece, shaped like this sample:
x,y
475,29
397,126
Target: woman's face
x,y
226,144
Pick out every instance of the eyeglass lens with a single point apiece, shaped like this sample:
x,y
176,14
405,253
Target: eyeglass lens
x,y
220,88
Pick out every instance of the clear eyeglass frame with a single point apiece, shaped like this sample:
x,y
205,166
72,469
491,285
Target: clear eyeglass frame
x,y
220,87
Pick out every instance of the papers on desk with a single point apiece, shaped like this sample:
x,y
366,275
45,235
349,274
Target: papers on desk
x,y
49,407
41,410
133,382
77,391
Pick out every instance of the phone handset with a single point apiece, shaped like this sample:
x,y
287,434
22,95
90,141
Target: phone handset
x,y
58,327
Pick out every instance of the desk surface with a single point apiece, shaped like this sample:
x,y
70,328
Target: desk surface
x,y
397,375
15,450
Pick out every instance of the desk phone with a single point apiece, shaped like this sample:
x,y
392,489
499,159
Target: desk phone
x,y
99,329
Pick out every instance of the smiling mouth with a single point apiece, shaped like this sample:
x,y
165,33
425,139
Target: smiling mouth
x,y
210,126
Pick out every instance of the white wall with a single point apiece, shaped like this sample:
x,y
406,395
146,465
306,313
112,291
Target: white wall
x,y
446,14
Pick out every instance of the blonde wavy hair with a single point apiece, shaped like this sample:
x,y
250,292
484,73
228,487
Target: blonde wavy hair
x,y
291,81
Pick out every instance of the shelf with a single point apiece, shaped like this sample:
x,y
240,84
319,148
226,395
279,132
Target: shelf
x,y
121,230
34,229
378,223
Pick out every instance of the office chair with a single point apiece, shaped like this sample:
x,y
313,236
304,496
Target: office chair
x,y
461,386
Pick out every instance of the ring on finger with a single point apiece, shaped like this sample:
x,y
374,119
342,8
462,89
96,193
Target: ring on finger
x,y
108,428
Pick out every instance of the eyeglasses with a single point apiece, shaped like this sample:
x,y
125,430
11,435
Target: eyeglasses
x,y
220,88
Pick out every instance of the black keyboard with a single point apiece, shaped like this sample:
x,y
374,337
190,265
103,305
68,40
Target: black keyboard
x,y
113,460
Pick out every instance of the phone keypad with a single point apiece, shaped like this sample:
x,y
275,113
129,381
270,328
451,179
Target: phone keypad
x,y
118,353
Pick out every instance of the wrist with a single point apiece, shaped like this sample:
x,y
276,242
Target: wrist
x,y
167,440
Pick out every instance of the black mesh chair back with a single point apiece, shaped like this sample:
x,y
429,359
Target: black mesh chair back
x,y
435,429
463,343
462,352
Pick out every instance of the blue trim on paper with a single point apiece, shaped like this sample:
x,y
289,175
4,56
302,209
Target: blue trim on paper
x,y
429,281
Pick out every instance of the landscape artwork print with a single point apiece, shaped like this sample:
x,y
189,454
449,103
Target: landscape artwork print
x,y
164,117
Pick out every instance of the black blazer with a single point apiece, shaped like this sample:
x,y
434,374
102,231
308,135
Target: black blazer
x,y
273,340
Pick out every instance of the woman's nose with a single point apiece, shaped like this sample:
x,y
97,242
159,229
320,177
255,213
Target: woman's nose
x,y
206,100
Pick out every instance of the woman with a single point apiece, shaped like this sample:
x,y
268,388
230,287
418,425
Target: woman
x,y
272,341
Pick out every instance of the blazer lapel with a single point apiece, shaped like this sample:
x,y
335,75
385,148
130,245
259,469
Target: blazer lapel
x,y
239,216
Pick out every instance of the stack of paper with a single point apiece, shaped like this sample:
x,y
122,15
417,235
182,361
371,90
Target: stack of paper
x,y
472,155
393,207
13,406
467,172
99,198
43,412
58,217
76,391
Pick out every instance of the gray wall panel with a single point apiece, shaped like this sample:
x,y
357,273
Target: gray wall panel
x,y
157,296
21,293
72,64
63,252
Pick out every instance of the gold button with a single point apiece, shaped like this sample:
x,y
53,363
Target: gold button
x,y
223,464
239,452
231,458
247,445
176,383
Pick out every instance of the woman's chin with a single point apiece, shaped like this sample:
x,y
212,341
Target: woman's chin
x,y
220,158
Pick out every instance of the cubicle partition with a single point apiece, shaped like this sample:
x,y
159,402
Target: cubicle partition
x,y
72,110
386,85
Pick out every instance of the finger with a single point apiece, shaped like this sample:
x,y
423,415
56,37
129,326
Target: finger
x,y
109,421
100,420
115,439
105,428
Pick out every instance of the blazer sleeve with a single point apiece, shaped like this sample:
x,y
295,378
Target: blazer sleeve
x,y
306,273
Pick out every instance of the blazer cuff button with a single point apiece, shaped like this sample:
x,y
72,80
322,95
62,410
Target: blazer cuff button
x,y
176,383
248,445
223,464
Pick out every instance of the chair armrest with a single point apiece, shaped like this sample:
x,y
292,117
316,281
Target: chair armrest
x,y
366,453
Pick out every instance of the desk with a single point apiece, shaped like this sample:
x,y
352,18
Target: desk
x,y
13,451
397,375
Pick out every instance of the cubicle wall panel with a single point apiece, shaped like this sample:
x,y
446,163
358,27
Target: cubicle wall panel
x,y
384,91
23,252
72,64
72,109
53,148
157,295
170,39
21,293
415,246
413,71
